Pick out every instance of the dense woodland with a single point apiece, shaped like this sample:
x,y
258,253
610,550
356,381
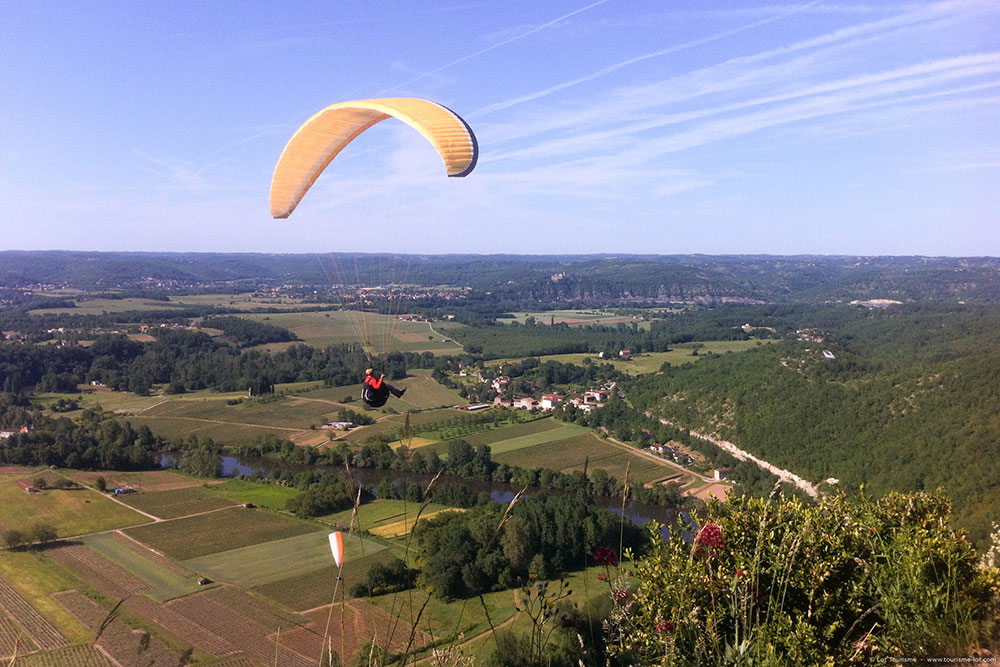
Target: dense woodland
x,y
185,360
484,549
908,403
89,442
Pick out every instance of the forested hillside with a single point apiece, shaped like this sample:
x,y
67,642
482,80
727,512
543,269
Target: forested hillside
x,y
908,403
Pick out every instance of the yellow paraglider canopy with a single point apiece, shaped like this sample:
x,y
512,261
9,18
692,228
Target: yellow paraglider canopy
x,y
318,141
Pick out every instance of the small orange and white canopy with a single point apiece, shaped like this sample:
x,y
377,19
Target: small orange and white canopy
x,y
318,141
337,547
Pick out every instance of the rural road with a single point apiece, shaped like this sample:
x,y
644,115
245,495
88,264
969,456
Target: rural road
x,y
433,331
658,459
736,452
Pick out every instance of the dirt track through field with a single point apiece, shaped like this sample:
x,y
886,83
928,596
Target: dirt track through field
x,y
225,423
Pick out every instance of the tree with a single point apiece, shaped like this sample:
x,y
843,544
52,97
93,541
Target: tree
x,y
43,533
101,484
14,539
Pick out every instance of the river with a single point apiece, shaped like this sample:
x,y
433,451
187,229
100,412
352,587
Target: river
x,y
232,466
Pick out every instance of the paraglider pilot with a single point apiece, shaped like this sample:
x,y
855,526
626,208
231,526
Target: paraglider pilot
x,y
375,391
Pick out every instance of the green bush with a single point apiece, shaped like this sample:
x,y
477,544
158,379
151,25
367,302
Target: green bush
x,y
778,582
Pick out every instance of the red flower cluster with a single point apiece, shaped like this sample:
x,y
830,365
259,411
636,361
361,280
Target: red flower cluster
x,y
710,536
663,627
619,595
606,556
602,577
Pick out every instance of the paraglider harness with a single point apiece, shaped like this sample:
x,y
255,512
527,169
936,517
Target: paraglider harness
x,y
375,391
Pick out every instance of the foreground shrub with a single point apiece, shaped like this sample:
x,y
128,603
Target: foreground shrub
x,y
781,582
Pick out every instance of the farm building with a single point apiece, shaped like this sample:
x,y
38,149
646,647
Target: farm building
x,y
26,485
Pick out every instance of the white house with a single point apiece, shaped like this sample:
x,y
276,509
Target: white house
x,y
549,401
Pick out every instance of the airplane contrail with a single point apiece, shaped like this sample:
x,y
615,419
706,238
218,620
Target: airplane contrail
x,y
494,46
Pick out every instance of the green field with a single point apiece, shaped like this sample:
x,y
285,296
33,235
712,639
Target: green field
x,y
176,502
650,362
384,332
395,423
36,577
109,306
585,448
292,413
105,398
92,306
380,512
143,480
574,317
243,301
511,431
165,584
274,561
218,531
285,417
315,588
69,511
263,495
558,433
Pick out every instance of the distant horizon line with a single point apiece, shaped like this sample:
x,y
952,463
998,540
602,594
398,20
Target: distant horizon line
x,y
604,255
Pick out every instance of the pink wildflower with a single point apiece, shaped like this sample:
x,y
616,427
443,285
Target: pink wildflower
x,y
619,595
710,536
602,577
663,627
606,556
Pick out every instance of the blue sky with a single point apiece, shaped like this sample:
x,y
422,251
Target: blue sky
x,y
825,127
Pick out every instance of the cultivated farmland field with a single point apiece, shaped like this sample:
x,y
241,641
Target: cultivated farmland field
x,y
395,423
35,577
210,533
650,362
177,502
79,655
287,418
584,449
512,431
315,588
245,301
400,527
165,583
270,562
574,317
323,329
69,511
290,413
145,480
560,433
264,495
88,306
379,512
